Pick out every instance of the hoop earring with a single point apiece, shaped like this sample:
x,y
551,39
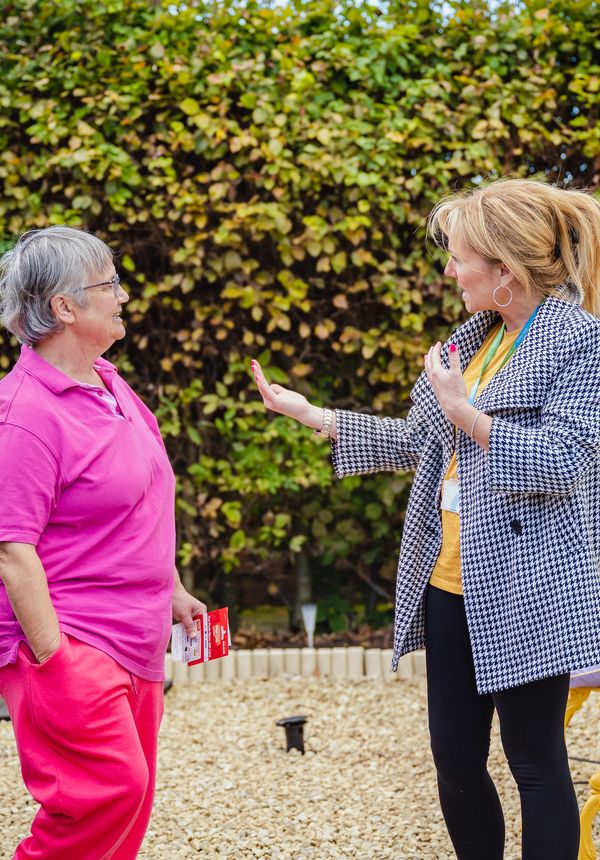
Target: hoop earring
x,y
506,304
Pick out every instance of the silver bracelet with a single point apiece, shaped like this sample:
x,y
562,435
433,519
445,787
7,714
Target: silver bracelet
x,y
325,430
476,419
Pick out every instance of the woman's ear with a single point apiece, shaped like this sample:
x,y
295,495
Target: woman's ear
x,y
63,309
506,276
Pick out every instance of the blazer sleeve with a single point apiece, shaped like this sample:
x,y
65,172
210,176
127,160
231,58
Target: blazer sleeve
x,y
556,456
367,444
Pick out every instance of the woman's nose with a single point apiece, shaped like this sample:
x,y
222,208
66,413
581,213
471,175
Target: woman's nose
x,y
449,269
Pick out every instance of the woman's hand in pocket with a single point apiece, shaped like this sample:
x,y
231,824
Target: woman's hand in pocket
x,y
46,653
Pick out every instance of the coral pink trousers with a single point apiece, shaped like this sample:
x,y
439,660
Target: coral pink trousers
x,y
86,733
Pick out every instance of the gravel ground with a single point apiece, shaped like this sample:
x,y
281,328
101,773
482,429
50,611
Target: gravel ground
x,y
365,788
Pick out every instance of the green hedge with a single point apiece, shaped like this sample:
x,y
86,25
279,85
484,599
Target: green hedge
x,y
265,174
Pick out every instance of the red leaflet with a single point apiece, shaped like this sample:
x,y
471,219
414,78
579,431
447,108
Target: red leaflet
x,y
212,641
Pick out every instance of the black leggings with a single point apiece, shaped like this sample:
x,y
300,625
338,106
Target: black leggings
x,y
532,731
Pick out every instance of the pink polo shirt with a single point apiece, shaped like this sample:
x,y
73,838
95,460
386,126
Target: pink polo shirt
x,y
93,491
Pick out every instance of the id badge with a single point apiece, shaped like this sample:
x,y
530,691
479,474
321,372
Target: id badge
x,y
450,496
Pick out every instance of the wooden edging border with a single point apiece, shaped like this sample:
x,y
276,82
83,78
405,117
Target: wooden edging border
x,y
340,663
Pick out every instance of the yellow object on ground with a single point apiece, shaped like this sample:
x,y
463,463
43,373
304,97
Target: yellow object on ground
x,y
577,696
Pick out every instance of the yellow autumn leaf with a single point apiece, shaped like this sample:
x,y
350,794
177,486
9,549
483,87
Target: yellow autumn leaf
x,y
340,301
301,369
84,129
190,106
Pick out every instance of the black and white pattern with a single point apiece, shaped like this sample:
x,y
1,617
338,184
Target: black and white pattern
x,y
530,507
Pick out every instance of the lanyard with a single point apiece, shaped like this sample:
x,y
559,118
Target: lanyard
x,y
493,349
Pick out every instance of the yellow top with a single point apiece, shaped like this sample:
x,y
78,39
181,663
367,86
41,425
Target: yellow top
x,y
446,573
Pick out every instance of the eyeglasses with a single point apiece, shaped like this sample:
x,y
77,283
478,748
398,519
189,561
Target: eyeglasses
x,y
114,282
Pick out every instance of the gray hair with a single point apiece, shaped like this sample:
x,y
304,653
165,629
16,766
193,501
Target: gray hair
x,y
45,263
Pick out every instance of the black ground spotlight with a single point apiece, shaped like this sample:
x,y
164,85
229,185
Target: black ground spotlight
x,y
294,732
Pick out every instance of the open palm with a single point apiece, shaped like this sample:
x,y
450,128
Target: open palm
x,y
280,399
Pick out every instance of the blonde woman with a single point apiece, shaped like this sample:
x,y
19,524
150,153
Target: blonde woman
x,y
499,571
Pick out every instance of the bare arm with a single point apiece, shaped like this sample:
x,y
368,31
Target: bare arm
x,y
185,606
27,587
363,444
290,403
465,416
315,420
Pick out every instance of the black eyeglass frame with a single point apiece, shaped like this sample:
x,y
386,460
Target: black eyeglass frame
x,y
115,283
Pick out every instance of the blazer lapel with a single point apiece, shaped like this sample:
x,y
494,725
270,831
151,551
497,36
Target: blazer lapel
x,y
523,382
526,379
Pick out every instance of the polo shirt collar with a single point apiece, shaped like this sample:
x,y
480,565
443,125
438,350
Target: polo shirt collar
x,y
53,378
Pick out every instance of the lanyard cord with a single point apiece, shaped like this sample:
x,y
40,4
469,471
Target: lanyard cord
x,y
493,349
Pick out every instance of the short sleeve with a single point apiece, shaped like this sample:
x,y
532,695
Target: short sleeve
x,y
30,482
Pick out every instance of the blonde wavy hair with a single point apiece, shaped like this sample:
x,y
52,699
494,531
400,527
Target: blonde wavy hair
x,y
548,237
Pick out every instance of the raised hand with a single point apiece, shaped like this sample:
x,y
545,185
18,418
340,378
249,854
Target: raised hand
x,y
280,399
448,385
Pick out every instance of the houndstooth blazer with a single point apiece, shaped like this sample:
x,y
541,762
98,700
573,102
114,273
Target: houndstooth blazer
x,y
529,508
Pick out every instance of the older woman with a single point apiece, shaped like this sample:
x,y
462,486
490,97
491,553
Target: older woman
x,y
499,572
87,548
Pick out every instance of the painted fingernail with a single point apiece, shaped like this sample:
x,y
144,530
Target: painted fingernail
x,y
452,347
